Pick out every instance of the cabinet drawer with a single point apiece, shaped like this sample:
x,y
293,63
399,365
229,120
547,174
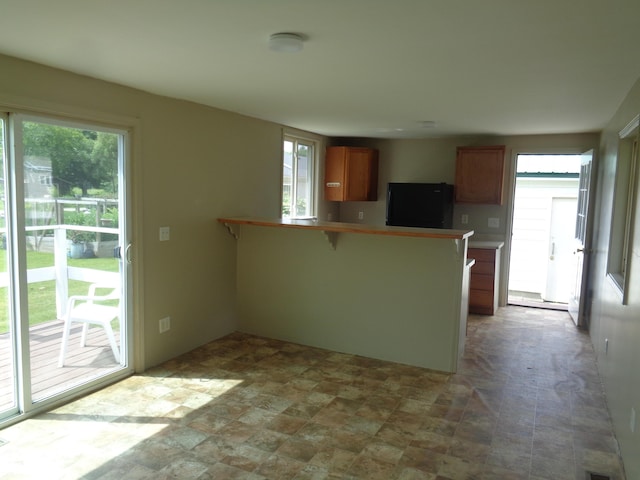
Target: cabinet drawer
x,y
480,298
487,268
482,254
482,282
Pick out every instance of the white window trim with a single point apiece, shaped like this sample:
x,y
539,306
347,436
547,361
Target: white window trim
x,y
618,266
290,135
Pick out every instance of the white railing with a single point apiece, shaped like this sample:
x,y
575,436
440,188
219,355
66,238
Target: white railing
x,y
61,272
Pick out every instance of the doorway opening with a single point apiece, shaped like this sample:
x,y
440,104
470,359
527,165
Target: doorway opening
x,y
544,219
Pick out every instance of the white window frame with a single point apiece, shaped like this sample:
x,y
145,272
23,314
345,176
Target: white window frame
x,y
312,174
622,222
45,180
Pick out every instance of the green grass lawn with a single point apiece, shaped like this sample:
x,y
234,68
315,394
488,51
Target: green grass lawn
x,y
42,295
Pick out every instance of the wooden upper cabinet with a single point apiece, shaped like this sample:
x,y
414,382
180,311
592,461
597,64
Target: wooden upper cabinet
x,y
480,175
351,174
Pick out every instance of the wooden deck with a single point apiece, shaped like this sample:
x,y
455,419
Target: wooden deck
x,y
82,363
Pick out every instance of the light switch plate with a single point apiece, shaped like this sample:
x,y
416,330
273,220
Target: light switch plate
x,y
165,324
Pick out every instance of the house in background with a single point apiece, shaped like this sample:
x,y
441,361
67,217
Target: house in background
x,y
193,163
38,175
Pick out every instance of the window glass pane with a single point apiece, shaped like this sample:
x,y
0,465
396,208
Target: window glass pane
x,y
623,207
287,179
298,182
629,211
303,181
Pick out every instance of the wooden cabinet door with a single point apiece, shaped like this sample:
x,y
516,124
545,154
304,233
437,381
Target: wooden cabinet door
x,y
351,174
334,174
480,175
361,175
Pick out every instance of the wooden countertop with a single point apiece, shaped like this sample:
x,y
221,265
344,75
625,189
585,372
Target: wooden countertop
x,y
338,227
487,245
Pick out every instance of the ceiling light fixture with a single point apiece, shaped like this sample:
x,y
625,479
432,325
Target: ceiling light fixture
x,y
286,42
427,124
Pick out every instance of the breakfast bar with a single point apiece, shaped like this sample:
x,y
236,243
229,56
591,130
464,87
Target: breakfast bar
x,y
392,293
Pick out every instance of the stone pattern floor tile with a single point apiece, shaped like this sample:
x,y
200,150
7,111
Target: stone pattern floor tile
x,y
526,403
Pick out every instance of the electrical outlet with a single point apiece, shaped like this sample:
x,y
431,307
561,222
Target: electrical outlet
x,y
464,219
494,223
165,234
360,215
165,324
329,217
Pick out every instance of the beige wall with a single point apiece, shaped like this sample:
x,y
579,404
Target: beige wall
x,y
620,366
193,164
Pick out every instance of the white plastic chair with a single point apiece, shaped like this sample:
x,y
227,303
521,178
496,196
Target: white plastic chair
x,y
85,309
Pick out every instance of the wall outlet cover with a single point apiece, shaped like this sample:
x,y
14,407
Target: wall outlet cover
x,y
494,223
165,234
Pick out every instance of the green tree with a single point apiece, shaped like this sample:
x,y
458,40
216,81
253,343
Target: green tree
x,y
104,159
69,150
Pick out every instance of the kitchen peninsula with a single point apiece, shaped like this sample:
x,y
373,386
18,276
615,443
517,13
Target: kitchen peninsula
x,y
392,293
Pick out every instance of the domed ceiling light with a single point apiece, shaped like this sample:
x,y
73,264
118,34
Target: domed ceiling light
x,y
427,124
286,42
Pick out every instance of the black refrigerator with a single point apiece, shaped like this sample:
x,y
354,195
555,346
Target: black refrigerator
x,y
428,205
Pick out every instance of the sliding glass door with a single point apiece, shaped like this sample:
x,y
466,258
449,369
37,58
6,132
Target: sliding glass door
x,y
64,279
8,350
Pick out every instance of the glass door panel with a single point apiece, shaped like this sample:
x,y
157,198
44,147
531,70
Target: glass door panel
x,y
71,231
8,375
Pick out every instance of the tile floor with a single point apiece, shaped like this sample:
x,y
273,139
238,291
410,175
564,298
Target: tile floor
x,y
526,404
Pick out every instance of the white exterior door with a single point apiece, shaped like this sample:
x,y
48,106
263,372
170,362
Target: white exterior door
x,y
582,247
560,251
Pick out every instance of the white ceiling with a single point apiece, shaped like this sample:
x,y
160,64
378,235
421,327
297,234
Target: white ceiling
x,y
374,68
